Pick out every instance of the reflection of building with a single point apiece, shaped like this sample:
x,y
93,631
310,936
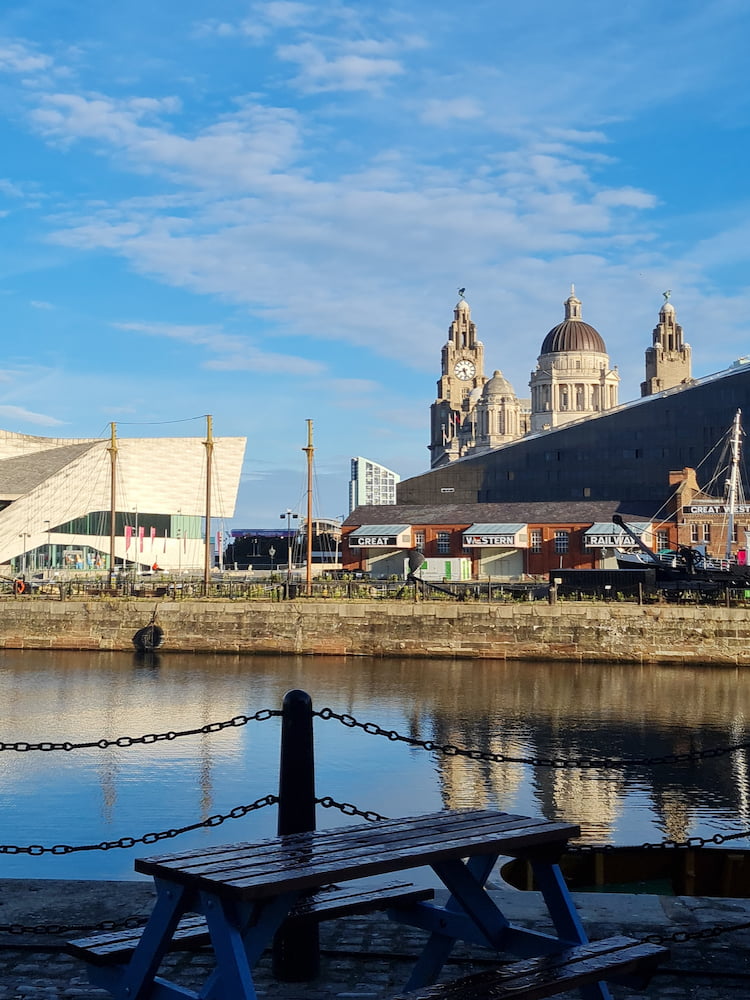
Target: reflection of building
x,y
371,484
55,500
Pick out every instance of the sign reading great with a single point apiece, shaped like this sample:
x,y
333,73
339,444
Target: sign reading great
x,y
373,541
715,508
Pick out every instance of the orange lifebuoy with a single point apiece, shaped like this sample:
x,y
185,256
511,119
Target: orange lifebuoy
x,y
18,586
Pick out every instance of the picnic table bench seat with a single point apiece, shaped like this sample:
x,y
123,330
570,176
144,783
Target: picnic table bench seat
x,y
619,958
327,903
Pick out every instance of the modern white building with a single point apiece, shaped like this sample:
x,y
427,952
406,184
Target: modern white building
x,y
371,484
56,500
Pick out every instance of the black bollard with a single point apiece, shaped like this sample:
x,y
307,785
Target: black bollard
x,y
296,950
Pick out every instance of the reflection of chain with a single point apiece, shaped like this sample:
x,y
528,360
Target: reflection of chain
x,y
148,838
718,838
129,741
581,763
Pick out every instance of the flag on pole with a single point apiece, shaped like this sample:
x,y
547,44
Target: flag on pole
x,y
141,532
128,535
153,536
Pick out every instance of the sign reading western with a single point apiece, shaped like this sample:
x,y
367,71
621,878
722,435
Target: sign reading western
x,y
715,508
499,540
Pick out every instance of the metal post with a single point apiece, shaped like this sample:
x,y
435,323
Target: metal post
x,y
296,951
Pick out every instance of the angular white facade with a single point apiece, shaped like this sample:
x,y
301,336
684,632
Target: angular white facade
x,y
371,483
55,496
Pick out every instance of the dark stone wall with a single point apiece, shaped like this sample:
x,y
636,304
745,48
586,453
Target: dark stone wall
x,y
566,631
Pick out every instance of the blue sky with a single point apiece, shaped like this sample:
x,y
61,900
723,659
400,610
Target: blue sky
x,y
264,211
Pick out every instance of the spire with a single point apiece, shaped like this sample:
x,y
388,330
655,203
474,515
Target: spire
x,y
572,305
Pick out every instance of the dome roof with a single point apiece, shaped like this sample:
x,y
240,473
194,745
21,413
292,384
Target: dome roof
x,y
498,385
573,335
462,304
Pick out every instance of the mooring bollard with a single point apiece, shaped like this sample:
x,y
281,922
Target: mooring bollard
x,y
296,950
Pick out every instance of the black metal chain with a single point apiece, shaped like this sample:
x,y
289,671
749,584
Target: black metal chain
x,y
128,741
704,934
349,810
128,923
582,763
148,838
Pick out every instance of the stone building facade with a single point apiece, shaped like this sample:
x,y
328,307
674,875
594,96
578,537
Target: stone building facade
x,y
573,380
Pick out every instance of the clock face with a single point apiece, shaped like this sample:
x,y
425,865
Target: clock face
x,y
465,370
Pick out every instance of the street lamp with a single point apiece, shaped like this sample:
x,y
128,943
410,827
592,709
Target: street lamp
x,y
24,535
272,553
288,515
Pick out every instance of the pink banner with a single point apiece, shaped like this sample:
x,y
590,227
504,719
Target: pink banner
x,y
128,535
153,536
141,532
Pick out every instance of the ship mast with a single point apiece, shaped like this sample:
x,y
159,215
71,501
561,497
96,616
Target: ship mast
x,y
112,498
732,482
309,452
209,443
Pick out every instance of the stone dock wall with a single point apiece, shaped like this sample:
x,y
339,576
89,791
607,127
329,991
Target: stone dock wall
x,y
617,632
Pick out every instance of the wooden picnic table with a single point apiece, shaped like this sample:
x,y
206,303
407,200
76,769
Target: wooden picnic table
x,y
246,890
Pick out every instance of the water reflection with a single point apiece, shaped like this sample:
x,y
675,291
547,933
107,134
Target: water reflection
x,y
528,710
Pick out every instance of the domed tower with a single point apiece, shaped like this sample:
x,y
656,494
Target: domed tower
x,y
499,417
452,417
668,362
572,377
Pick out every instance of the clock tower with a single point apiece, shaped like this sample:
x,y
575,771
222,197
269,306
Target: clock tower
x,y
460,384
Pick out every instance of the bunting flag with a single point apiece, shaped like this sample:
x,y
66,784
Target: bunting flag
x,y
153,537
141,532
128,535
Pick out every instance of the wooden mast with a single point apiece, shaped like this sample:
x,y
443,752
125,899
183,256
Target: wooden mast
x,y
733,483
309,452
112,498
209,443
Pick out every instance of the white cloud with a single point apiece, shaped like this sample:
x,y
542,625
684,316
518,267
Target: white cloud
x,y
348,71
235,353
21,415
447,111
18,57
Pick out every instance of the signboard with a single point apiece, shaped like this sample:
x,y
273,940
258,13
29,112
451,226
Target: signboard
x,y
476,541
373,541
619,541
715,508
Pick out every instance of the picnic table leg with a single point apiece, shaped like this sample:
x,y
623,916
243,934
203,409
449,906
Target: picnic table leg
x,y
137,977
562,909
491,921
256,924
233,979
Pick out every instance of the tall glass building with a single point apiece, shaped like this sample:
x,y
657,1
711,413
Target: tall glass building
x,y
371,484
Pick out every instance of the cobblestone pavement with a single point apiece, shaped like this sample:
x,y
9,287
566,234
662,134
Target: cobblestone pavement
x,y
368,958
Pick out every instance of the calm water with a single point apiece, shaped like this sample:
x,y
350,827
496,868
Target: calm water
x,y
524,709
